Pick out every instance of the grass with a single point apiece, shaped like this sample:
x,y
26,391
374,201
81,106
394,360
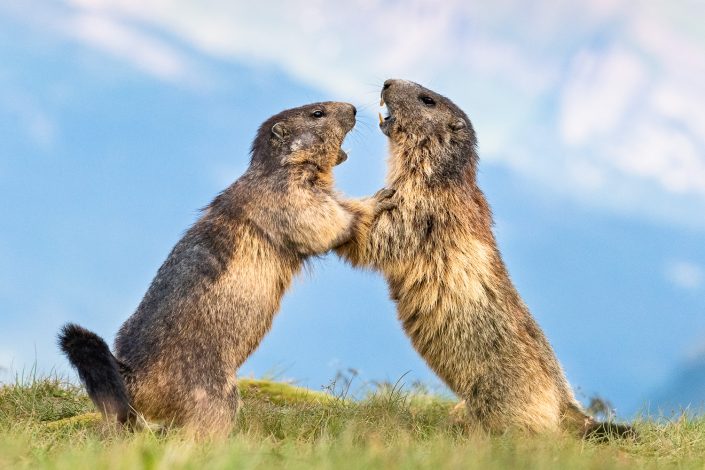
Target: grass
x,y
47,423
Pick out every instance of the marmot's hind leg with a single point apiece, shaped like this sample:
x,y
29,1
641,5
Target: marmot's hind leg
x,y
212,416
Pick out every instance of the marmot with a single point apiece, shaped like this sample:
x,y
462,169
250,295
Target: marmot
x,y
215,296
454,296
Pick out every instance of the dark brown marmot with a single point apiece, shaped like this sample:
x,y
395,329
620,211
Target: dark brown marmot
x,y
215,296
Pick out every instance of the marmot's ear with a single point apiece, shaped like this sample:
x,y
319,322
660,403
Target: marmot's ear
x,y
280,131
458,124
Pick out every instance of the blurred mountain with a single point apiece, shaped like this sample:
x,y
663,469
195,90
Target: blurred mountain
x,y
684,390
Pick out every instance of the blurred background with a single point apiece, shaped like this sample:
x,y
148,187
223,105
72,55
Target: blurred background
x,y
120,118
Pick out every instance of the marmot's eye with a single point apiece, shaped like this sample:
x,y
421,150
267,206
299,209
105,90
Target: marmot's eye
x,y
318,113
427,100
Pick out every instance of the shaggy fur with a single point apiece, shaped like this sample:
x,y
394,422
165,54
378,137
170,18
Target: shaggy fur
x,y
454,296
98,369
215,296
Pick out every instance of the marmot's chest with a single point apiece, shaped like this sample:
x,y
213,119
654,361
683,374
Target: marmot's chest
x,y
257,277
438,268
414,228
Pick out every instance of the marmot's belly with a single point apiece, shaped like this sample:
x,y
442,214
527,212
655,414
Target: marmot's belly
x,y
444,332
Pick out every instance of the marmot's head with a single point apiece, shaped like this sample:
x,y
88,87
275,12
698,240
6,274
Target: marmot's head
x,y
309,134
428,129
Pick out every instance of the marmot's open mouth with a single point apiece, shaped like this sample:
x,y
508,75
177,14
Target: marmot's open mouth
x,y
386,120
342,156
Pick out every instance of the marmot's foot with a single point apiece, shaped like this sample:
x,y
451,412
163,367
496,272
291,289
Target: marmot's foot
x,y
459,413
383,200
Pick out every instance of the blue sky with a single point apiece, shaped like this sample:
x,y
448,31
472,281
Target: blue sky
x,y
119,119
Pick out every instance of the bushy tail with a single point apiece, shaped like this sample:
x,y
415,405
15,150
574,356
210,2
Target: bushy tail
x,y
601,431
98,370
606,430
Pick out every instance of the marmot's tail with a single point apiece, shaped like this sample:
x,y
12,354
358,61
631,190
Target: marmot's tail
x,y
606,430
98,370
600,431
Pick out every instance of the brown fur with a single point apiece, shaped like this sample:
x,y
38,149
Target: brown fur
x,y
454,296
214,298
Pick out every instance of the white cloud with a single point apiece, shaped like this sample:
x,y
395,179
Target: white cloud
x,y
685,274
116,35
147,53
663,154
337,47
601,100
599,90
38,124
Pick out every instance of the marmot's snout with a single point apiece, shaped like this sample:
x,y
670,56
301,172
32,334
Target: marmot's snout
x,y
347,118
345,113
394,98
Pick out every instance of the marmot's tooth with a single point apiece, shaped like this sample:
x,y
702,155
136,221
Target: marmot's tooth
x,y
381,101
381,119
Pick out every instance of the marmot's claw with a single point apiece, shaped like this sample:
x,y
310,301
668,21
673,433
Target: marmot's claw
x,y
384,206
383,200
384,193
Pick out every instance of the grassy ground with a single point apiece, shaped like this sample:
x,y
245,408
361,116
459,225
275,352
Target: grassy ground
x,y
50,424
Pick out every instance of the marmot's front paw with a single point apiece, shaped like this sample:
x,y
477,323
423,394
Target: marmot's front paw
x,y
384,193
383,200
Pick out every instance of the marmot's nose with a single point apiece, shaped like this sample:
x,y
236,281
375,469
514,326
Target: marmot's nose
x,y
354,110
388,83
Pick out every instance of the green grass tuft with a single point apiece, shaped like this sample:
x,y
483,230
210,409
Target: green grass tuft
x,y
49,423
